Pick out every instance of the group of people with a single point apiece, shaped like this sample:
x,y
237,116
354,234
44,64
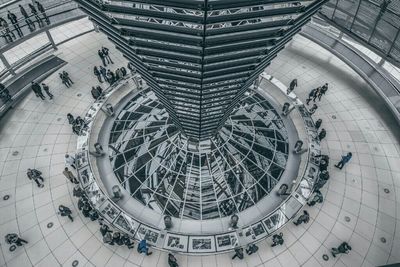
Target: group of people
x,y
317,93
65,79
37,89
35,175
37,13
106,75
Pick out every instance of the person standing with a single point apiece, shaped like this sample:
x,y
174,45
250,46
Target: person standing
x,y
172,261
13,19
318,123
343,248
70,160
4,93
97,74
106,54
322,134
67,78
65,211
37,90
143,248
344,160
28,21
252,248
110,77
316,198
277,239
104,229
43,11
5,31
35,13
292,85
47,90
70,118
70,176
304,218
127,241
313,109
63,80
102,57
103,72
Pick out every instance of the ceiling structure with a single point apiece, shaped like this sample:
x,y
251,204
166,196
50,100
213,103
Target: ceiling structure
x,y
200,56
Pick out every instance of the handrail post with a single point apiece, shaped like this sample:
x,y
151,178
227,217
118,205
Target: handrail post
x,y
53,44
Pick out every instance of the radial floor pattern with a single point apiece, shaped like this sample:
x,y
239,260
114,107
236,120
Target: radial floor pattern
x,y
361,202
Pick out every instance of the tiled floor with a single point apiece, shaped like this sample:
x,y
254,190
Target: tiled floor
x,y
36,134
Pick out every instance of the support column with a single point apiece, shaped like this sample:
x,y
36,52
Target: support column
x,y
6,64
53,44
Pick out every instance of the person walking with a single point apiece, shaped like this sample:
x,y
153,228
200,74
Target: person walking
x,y
322,91
304,218
312,95
14,21
65,211
36,176
322,134
172,261
43,12
37,90
343,248
292,85
238,254
35,14
344,160
97,74
47,90
143,248
102,57
277,239
13,238
28,20
70,176
106,54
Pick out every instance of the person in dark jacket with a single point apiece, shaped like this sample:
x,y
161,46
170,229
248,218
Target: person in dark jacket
x,y
47,90
277,239
13,238
315,198
322,134
172,261
103,72
37,90
238,253
104,229
127,241
292,85
14,20
97,73
65,211
95,93
322,91
304,218
102,57
343,248
43,12
106,54
28,20
35,13
318,123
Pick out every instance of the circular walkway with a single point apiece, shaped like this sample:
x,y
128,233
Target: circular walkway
x,y
361,202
